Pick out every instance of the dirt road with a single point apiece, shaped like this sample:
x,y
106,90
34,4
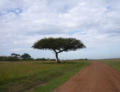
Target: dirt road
x,y
96,77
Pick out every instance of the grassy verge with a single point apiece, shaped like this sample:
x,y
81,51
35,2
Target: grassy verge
x,y
61,79
36,76
115,63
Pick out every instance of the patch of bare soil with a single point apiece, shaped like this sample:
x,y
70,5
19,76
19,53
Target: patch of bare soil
x,y
96,77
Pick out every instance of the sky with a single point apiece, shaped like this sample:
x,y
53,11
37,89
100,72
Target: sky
x,y
95,22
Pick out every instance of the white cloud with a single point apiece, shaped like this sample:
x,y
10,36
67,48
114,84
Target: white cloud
x,y
95,22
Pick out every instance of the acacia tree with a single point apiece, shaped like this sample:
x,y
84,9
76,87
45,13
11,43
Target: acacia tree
x,y
15,55
26,56
58,45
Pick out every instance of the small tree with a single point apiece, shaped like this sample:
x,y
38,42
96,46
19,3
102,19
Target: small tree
x,y
58,45
26,56
15,55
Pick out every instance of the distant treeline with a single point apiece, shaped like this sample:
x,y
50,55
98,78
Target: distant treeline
x,y
25,57
9,58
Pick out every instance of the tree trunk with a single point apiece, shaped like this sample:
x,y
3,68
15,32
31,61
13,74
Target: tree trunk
x,y
57,59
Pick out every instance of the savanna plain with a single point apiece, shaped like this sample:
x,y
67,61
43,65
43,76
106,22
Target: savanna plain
x,y
36,76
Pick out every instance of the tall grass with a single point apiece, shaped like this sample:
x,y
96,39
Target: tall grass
x,y
23,76
115,63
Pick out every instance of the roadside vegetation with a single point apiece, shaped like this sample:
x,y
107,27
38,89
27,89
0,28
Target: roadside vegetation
x,y
36,76
115,63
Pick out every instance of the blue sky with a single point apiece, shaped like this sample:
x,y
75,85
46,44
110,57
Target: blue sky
x,y
95,22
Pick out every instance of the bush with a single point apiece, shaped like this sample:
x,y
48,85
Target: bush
x,y
8,58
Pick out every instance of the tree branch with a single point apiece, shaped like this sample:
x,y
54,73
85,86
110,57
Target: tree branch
x,y
54,50
60,51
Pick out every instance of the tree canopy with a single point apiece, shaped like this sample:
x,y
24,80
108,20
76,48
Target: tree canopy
x,y
26,56
59,45
15,55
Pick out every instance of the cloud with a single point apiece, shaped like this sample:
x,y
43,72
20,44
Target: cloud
x,y
22,22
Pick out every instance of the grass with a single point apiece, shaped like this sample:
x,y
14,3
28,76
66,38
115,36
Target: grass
x,y
36,76
115,63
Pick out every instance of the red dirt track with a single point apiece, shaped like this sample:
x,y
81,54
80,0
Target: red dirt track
x,y
96,77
